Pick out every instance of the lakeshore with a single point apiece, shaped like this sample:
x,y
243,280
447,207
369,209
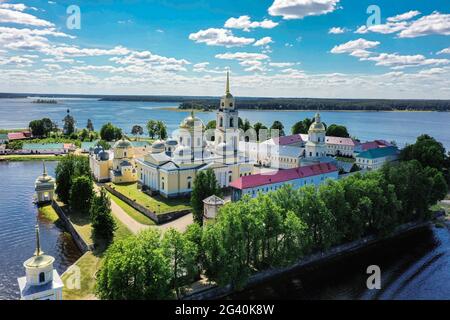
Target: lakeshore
x,y
364,125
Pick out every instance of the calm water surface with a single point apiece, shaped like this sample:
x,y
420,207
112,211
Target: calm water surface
x,y
18,217
412,268
402,127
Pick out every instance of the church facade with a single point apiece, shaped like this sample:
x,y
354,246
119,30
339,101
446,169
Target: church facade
x,y
171,166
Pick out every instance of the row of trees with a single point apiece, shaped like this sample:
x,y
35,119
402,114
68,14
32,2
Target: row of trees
x,y
74,187
300,127
273,230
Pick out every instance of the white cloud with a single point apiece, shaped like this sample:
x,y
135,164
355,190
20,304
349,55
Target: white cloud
x,y
219,37
245,23
444,51
404,16
13,6
435,23
396,61
19,17
354,45
281,64
18,61
72,51
263,42
242,56
387,28
337,30
298,9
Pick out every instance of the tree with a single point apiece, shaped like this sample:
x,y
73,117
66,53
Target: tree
x,y
69,124
211,125
426,150
103,223
137,130
302,127
335,130
84,134
205,185
109,132
277,125
41,128
37,128
90,125
181,253
67,169
136,268
259,126
161,130
152,128
81,194
244,124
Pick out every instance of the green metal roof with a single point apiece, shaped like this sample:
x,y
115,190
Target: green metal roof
x,y
378,153
42,146
88,145
3,136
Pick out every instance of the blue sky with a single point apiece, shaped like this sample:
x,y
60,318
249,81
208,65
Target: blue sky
x,y
299,48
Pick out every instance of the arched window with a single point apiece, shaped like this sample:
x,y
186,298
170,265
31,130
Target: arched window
x,y
223,104
221,122
231,104
125,154
231,122
41,277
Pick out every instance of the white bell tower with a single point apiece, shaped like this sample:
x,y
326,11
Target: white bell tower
x,y
227,122
42,281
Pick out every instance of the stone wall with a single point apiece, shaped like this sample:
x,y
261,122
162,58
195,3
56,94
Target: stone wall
x,y
157,218
79,241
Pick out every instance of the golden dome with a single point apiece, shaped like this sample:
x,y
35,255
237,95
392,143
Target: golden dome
x,y
317,124
191,122
40,261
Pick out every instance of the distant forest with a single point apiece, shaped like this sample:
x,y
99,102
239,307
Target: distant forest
x,y
212,103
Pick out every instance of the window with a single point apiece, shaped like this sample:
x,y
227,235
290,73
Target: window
x,y
41,277
125,154
221,121
189,185
231,122
223,104
231,104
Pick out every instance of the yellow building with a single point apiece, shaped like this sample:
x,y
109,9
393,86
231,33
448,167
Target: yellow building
x,y
171,166
117,166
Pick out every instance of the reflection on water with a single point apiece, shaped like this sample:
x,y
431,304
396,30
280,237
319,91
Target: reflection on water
x,y
18,216
414,267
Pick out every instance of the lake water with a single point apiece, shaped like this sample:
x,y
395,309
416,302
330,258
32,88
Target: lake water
x,y
415,267
18,217
403,127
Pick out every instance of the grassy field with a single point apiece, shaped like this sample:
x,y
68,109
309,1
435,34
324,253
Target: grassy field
x,y
343,159
156,204
48,213
133,213
33,157
89,263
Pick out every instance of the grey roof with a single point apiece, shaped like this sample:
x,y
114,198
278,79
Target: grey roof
x,y
214,200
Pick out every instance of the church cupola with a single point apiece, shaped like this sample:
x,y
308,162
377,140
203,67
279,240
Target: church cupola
x,y
42,281
227,101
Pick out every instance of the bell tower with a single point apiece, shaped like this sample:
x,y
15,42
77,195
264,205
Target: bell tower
x,y
227,122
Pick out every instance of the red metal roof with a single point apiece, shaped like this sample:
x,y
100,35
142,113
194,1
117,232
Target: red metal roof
x,y
340,141
374,145
19,135
257,180
287,140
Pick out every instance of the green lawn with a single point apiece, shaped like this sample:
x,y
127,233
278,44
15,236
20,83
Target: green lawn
x,y
156,204
133,213
343,159
89,264
30,157
48,213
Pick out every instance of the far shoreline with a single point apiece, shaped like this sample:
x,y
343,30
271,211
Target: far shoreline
x,y
174,109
